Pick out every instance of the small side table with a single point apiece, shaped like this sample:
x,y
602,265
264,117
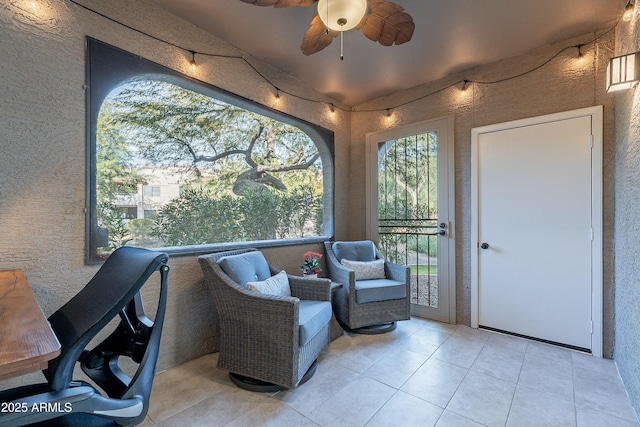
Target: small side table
x,y
335,330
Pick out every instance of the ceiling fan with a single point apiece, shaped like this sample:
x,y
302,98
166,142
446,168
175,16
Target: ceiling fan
x,y
381,21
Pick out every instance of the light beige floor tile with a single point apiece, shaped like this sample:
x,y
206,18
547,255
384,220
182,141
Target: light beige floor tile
x,y
601,392
459,351
358,377
408,327
532,408
353,405
547,376
358,353
228,403
327,381
271,413
425,341
506,341
591,363
499,362
147,423
436,382
463,331
589,418
440,327
396,368
174,391
407,411
450,419
483,398
541,352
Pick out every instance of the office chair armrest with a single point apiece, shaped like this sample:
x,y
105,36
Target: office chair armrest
x,y
310,288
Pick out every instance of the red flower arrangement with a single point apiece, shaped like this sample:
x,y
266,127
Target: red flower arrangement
x,y
311,264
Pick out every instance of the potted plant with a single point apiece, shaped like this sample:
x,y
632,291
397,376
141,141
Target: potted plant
x,y
311,265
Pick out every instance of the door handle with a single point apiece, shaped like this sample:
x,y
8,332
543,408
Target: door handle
x,y
442,232
484,246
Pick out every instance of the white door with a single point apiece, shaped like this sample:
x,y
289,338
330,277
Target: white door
x,y
535,233
410,210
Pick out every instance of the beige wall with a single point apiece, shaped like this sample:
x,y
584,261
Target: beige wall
x,y
42,142
563,84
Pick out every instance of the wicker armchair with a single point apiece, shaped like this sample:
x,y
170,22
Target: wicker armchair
x,y
367,306
267,342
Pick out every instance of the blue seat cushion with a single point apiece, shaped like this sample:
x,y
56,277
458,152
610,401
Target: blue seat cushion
x,y
246,267
379,290
363,250
312,317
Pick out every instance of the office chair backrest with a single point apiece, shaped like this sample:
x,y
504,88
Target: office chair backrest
x,y
111,290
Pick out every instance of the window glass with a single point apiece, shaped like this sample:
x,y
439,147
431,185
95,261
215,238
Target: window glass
x,y
181,165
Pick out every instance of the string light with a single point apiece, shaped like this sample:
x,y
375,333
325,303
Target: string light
x,y
464,86
580,54
332,107
193,63
277,96
628,12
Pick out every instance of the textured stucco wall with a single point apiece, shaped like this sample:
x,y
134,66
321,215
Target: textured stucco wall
x,y
563,84
42,148
627,223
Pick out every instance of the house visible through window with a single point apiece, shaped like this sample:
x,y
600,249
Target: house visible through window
x,y
183,164
152,191
128,212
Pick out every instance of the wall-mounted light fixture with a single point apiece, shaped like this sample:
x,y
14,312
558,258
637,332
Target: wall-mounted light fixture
x,y
623,72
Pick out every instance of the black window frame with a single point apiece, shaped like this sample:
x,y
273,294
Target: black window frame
x,y
109,67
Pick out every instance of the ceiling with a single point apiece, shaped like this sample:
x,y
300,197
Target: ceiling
x,y
450,36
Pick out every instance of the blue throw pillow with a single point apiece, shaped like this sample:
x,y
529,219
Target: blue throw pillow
x,y
363,250
246,267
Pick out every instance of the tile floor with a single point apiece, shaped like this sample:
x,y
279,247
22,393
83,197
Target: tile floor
x,y
422,374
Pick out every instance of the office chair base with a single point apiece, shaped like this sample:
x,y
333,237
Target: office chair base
x,y
251,384
381,328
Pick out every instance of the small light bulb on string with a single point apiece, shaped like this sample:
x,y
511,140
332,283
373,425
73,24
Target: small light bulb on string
x,y
465,86
277,95
580,54
628,11
193,63
332,108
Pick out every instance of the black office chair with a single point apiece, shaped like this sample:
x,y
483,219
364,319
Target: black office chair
x,y
113,290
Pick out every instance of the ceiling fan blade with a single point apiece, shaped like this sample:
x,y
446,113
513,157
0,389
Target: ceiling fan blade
x,y
387,24
280,3
317,37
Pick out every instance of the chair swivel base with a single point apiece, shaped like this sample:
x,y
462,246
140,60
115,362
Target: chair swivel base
x,y
252,384
381,328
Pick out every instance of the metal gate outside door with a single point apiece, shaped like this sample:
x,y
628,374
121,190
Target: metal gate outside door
x,y
412,227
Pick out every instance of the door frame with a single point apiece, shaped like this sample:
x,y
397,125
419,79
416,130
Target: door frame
x,y
596,115
446,188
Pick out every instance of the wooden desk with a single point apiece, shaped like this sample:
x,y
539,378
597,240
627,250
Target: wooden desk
x,y
27,342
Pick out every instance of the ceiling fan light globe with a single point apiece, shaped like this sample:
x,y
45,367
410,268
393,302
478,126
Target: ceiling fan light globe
x,y
349,13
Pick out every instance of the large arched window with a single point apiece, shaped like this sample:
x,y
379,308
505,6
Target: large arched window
x,y
180,165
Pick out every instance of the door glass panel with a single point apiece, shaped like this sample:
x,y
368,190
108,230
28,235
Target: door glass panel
x,y
408,208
